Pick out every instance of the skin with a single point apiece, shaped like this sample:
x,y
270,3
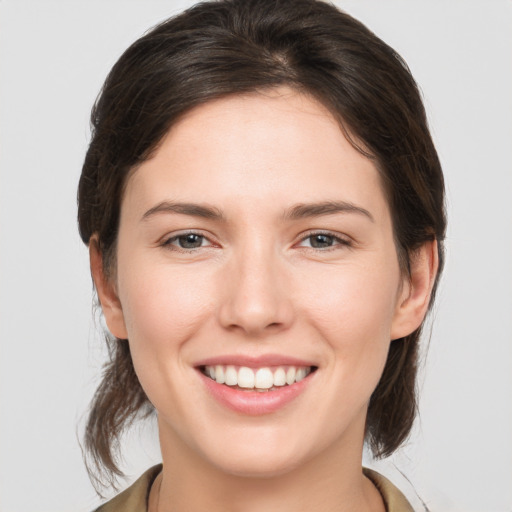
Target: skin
x,y
255,286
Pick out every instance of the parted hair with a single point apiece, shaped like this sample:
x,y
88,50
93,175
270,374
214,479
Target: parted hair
x,y
227,47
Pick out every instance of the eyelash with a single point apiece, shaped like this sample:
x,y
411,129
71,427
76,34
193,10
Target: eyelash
x,y
168,243
336,239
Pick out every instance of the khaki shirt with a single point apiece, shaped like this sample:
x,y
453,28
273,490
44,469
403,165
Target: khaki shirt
x,y
135,498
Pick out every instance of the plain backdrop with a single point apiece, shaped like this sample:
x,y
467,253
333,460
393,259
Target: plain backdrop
x,y
54,56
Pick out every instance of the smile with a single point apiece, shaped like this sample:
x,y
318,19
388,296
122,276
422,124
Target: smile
x,y
256,386
256,379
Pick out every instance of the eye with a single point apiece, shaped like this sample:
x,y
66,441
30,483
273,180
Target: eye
x,y
323,241
187,241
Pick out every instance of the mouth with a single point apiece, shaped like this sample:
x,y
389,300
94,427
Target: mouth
x,y
264,379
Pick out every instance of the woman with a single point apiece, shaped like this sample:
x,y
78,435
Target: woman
x,y
264,210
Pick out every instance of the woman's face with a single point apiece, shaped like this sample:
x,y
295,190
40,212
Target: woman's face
x,y
255,245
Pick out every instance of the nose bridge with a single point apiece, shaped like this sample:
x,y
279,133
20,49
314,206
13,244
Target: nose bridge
x,y
256,300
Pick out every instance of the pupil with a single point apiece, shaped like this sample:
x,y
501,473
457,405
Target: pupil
x,y
190,241
319,241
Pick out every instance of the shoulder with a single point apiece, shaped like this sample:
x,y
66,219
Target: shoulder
x,y
395,501
135,498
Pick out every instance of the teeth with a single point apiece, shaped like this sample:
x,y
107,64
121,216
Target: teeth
x,y
219,374
260,379
231,377
290,375
264,379
279,377
245,377
301,373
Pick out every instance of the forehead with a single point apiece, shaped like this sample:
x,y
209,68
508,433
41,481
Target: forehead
x,y
276,146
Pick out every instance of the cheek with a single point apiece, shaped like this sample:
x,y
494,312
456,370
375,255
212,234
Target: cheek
x,y
353,299
354,315
162,307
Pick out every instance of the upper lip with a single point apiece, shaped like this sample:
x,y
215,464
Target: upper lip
x,y
254,361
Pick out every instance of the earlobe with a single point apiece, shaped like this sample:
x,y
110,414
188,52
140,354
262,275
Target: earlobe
x,y
413,303
107,293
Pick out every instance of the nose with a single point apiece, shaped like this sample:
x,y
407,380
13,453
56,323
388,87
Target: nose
x,y
256,298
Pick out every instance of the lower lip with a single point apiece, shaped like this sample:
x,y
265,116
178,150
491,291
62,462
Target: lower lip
x,y
255,403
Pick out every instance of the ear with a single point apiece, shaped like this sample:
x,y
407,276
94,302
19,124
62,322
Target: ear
x,y
414,298
107,292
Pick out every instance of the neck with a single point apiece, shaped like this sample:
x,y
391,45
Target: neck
x,y
330,481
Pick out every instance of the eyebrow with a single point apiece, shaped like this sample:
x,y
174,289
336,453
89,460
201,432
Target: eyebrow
x,y
302,211
192,209
299,211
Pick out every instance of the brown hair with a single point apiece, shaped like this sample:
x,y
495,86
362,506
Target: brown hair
x,y
229,47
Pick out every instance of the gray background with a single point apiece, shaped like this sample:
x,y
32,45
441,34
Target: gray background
x,y
54,56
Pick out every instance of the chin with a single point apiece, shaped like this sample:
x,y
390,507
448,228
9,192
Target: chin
x,y
257,454
257,466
